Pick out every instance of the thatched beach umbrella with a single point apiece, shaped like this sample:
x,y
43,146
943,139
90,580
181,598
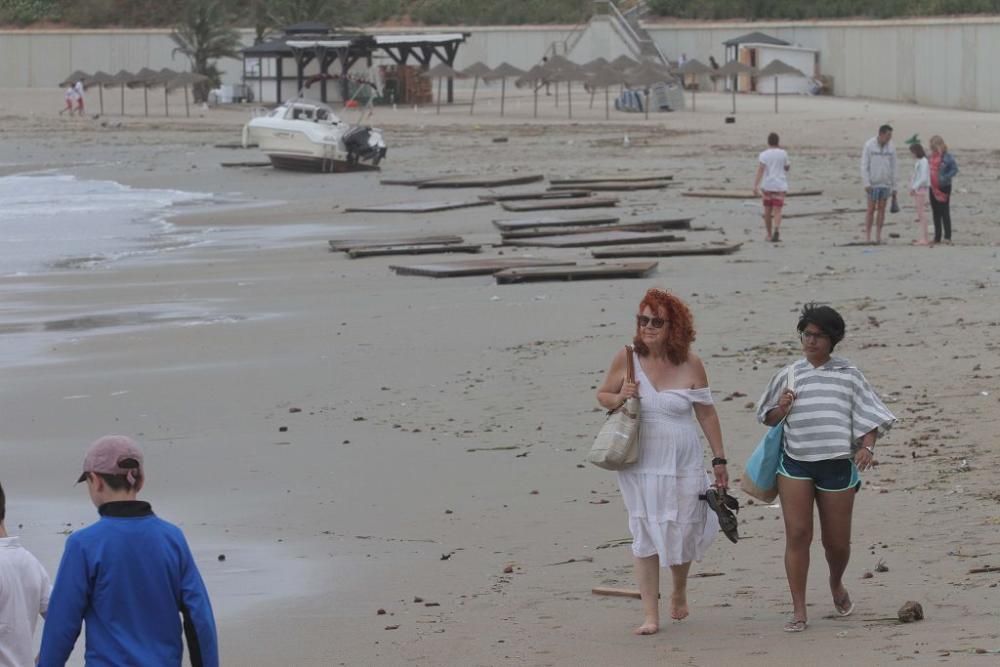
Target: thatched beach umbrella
x,y
167,74
648,74
590,68
477,70
534,77
778,68
695,68
623,63
77,75
185,80
100,79
504,71
146,78
605,77
441,71
122,79
734,69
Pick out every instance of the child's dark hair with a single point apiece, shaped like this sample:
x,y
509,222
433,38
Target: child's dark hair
x,y
772,139
884,128
120,482
918,150
824,317
3,504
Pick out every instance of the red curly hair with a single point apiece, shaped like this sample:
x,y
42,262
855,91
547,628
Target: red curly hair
x,y
680,324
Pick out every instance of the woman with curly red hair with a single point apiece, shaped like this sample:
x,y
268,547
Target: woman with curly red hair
x,y
671,526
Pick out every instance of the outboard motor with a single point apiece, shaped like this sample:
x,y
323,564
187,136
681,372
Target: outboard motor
x,y
364,143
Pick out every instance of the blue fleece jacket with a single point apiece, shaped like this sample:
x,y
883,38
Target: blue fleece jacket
x,y
131,578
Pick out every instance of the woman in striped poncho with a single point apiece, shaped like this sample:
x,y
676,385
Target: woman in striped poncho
x,y
832,419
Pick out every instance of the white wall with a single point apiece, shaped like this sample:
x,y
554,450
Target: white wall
x,y
937,62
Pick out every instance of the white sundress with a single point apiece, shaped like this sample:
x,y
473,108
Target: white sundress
x,y
665,514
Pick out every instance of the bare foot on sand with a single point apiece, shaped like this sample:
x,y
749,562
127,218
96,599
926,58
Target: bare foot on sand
x,y
678,606
650,627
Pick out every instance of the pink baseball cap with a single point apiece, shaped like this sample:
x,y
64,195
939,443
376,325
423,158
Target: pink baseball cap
x,y
113,455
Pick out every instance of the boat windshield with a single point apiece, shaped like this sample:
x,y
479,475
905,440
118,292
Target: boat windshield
x,y
315,112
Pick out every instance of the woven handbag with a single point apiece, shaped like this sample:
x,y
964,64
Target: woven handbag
x,y
617,444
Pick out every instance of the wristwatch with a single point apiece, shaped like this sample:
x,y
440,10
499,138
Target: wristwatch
x,y
719,461
870,449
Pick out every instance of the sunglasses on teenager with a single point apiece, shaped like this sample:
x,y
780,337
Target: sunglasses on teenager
x,y
809,335
653,322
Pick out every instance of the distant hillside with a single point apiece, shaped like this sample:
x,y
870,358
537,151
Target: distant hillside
x,y
269,14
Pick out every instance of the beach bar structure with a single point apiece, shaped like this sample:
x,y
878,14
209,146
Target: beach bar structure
x,y
278,68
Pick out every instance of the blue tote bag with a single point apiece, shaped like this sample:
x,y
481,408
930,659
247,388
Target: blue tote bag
x,y
760,474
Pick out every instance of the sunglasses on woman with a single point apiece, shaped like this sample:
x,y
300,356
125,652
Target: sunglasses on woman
x,y
652,322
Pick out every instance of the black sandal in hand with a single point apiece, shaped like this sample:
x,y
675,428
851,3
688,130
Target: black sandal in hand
x,y
724,505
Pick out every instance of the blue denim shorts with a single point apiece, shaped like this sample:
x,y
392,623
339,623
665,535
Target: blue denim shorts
x,y
833,475
879,193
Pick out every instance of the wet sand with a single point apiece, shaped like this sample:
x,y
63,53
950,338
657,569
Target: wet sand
x,y
352,440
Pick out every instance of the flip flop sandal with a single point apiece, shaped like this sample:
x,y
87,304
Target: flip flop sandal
x,y
845,607
721,503
796,626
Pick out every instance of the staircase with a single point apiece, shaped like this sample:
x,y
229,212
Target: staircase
x,y
647,47
628,24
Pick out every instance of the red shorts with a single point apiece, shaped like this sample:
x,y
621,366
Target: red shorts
x,y
774,199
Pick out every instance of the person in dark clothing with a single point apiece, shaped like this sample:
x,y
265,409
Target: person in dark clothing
x,y
130,577
943,168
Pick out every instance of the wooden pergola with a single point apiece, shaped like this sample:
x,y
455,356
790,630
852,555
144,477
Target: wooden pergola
x,y
309,42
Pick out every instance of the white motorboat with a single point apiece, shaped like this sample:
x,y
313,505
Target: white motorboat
x,y
307,135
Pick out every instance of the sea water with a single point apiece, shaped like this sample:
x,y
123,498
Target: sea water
x,y
51,222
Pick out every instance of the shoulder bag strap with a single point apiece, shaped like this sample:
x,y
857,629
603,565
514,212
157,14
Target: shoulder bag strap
x,y
629,365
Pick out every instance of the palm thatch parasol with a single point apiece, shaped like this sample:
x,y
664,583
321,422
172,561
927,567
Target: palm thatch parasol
x,y
503,71
441,71
534,77
605,77
166,74
122,79
778,68
185,80
623,63
146,78
477,70
562,70
648,74
77,75
101,79
695,68
734,69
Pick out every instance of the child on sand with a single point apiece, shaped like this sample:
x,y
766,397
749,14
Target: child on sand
x,y
920,182
130,576
69,95
771,170
24,596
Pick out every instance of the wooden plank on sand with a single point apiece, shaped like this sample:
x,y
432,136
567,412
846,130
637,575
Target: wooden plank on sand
x,y
638,226
538,194
264,163
833,211
745,194
348,244
636,178
555,204
552,221
601,238
473,267
666,251
355,253
417,206
578,272
601,186
616,592
414,180
481,181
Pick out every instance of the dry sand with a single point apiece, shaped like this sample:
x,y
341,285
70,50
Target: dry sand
x,y
443,422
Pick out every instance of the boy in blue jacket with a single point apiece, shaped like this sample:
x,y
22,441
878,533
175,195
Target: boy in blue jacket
x,y
130,576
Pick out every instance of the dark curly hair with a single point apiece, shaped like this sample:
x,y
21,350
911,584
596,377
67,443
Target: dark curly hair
x,y
824,317
680,324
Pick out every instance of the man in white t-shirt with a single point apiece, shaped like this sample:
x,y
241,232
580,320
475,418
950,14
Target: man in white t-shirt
x,y
772,178
24,596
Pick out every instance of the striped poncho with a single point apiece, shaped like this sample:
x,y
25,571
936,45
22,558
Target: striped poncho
x,y
834,408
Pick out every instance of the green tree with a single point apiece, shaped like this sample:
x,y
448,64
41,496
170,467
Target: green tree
x,y
335,13
204,34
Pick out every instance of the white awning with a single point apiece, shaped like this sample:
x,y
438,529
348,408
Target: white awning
x,y
435,38
321,43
